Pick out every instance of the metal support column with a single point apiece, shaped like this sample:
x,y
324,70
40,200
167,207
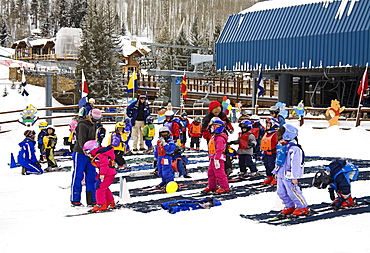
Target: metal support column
x,y
285,88
48,95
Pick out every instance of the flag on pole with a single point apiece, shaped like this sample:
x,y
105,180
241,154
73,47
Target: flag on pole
x,y
84,89
24,85
364,84
260,84
184,87
132,83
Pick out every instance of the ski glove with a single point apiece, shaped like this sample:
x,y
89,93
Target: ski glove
x,y
331,193
163,141
97,184
217,164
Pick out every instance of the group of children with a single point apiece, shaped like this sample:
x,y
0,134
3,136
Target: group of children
x,y
276,144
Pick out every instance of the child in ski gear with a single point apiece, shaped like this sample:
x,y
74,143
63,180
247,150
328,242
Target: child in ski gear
x,y
26,156
82,167
117,140
103,158
274,112
174,126
148,134
40,144
289,168
163,155
184,128
215,110
50,141
138,111
195,132
338,175
128,130
179,162
258,131
268,147
72,134
216,169
86,108
246,142
100,132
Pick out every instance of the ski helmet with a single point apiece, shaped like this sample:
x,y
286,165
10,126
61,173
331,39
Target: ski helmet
x,y
127,120
73,125
245,124
255,118
149,120
29,133
95,115
164,132
89,146
274,123
274,109
219,126
322,179
290,132
183,115
120,124
43,124
197,120
91,100
52,128
169,114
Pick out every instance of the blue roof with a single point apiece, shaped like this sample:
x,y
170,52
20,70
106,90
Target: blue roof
x,y
297,36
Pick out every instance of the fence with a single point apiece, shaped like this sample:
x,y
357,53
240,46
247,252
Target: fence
x,y
349,114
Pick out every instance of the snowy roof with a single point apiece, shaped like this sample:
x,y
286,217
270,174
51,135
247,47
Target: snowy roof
x,y
277,4
128,48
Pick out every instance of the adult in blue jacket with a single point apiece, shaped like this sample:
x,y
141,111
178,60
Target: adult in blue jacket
x,y
26,156
138,111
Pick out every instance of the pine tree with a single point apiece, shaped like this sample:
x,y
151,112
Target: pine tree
x,y
123,29
78,12
3,33
34,11
195,38
63,14
181,54
44,19
99,52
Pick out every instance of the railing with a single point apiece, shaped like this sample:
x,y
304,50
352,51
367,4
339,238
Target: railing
x,y
349,114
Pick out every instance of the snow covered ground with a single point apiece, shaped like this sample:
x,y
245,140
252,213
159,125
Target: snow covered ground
x,y
32,208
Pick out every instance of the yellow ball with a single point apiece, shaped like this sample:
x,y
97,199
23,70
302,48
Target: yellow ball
x,y
171,187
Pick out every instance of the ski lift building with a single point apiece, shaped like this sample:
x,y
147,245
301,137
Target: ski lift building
x,y
321,39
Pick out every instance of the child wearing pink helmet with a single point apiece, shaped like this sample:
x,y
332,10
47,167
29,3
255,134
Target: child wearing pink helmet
x,y
103,158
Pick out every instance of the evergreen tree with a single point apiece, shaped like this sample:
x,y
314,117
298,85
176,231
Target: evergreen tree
x,y
3,33
34,11
123,29
44,17
164,54
63,14
99,52
195,38
182,56
78,12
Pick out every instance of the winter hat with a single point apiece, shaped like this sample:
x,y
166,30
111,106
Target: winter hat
x,y
91,100
142,96
29,133
95,114
214,105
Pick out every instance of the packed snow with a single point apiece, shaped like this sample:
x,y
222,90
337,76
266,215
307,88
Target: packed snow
x,y
33,208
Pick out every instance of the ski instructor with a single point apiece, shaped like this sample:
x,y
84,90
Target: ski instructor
x,y
82,167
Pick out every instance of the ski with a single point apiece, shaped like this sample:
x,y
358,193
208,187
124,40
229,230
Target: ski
x,y
118,206
316,212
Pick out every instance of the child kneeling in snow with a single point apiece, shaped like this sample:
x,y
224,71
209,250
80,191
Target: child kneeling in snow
x,y
289,168
338,175
103,158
